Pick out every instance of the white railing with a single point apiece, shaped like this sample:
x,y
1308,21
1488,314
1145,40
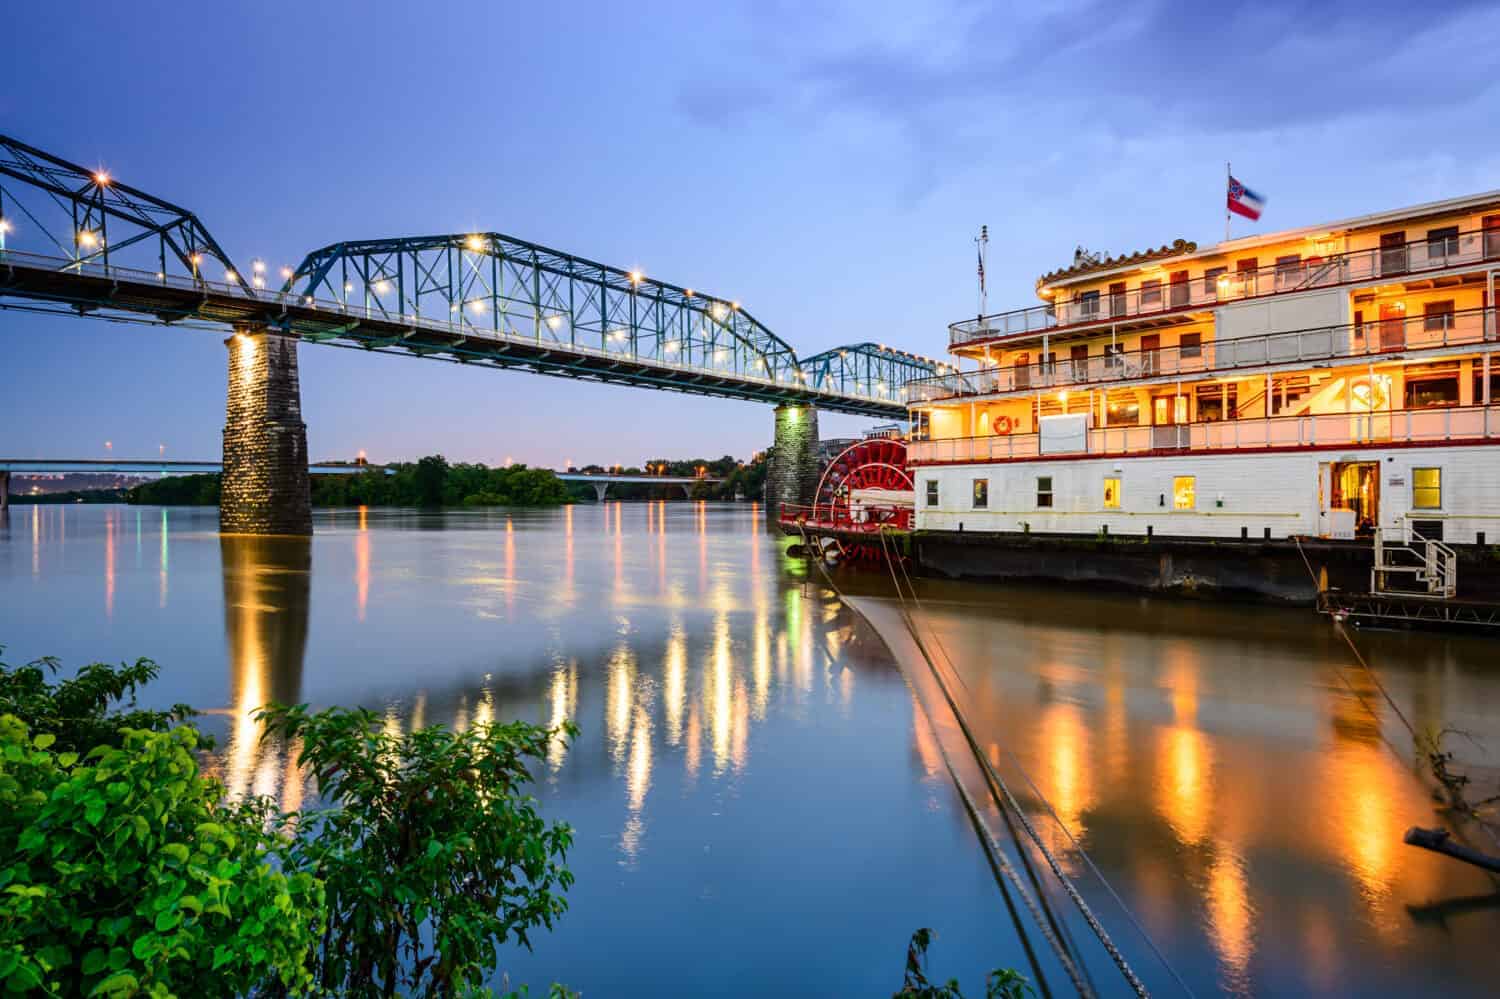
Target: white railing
x,y
1430,563
1278,432
455,324
1452,329
1202,291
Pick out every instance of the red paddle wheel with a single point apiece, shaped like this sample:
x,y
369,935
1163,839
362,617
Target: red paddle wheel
x,y
866,488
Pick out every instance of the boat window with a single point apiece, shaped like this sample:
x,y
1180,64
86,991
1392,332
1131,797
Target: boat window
x,y
1217,402
1111,493
1122,410
1211,280
1442,243
1151,294
932,492
1431,386
1043,491
1184,492
1437,316
981,493
1427,488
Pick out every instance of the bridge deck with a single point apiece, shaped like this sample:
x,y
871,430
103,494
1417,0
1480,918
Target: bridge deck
x,y
89,289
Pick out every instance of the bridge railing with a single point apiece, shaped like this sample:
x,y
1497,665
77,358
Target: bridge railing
x,y
456,326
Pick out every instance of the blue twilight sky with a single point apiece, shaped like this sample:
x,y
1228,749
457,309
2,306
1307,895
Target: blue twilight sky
x,y
825,163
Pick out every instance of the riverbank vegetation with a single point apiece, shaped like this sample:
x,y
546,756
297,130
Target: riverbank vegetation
x,y
738,479
433,482
430,482
125,871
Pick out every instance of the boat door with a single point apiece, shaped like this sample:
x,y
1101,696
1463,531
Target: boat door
x,y
1356,489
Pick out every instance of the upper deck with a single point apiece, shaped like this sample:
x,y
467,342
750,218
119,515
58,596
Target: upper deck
x,y
1164,287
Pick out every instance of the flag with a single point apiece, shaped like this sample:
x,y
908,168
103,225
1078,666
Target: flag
x,y
981,269
1243,201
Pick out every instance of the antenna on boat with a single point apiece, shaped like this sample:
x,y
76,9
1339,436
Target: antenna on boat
x,y
983,240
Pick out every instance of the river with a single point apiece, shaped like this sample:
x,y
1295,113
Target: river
x,y
760,802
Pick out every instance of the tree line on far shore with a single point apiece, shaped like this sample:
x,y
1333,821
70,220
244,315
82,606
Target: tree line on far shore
x,y
434,482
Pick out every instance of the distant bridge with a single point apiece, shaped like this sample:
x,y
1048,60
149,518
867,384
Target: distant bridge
x,y
601,481
79,242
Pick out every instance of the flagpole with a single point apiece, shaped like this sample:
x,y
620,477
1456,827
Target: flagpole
x,y
1228,179
984,241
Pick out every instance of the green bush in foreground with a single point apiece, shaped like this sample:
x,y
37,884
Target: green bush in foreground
x,y
433,856
124,872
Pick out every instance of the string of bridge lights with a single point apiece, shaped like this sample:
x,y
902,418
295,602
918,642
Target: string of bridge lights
x,y
88,239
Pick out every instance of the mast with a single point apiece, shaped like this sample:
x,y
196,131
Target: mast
x,y
984,242
1228,179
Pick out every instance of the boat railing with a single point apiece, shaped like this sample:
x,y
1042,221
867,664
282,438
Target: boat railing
x,y
1218,286
1406,426
1367,339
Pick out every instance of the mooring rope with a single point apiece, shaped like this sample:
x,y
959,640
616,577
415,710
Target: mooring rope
x,y
993,852
999,785
1016,762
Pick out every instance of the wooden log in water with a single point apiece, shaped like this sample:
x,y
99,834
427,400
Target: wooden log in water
x,y
1440,841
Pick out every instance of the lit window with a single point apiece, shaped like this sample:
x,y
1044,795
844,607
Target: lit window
x,y
1044,491
932,492
1427,488
981,494
1184,492
1111,494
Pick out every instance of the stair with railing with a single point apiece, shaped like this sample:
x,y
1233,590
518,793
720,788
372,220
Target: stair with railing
x,y
1430,566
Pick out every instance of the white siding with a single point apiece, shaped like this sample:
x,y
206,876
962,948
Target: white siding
x,y
1282,313
1233,492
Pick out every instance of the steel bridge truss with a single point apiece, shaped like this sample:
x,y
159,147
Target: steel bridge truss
x,y
871,369
78,241
86,221
492,284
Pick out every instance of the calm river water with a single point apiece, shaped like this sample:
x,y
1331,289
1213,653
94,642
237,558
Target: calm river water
x,y
761,806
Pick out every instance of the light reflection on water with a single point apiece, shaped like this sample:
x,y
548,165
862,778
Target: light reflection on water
x,y
752,767
1212,762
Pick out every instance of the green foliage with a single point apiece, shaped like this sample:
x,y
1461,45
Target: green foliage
x,y
1002,983
431,852
177,490
123,872
431,482
82,712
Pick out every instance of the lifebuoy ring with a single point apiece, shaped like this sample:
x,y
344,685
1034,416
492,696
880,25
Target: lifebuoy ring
x,y
1001,424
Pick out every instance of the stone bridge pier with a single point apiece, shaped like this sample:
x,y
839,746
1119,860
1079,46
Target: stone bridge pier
x,y
4,490
793,473
264,487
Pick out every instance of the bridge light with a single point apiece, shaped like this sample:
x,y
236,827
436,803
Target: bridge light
x,y
258,265
475,243
477,305
735,306
4,225
348,286
86,238
689,293
635,277
258,281
230,277
286,273
381,287
102,178
554,321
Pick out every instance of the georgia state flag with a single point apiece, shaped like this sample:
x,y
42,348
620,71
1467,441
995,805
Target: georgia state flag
x,y
1243,201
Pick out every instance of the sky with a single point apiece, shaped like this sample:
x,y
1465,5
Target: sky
x,y
827,164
